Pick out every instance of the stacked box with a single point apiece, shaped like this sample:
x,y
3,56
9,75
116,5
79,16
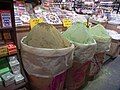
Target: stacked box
x,y
12,58
3,51
8,78
19,78
14,64
11,48
3,63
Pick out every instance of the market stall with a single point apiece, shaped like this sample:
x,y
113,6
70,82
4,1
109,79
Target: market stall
x,y
63,44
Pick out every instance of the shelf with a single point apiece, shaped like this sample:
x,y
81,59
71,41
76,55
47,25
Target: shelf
x,y
8,55
8,5
6,29
6,1
13,86
20,29
16,86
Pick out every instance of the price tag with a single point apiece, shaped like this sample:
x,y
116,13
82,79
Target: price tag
x,y
35,21
41,20
67,22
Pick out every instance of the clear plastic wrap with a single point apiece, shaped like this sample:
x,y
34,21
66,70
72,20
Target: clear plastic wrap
x,y
103,46
108,78
85,48
84,52
101,36
43,62
80,37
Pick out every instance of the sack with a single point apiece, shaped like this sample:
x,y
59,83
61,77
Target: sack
x,y
40,83
101,36
77,75
80,37
43,62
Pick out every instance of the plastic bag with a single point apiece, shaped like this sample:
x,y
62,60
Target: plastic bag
x,y
101,36
43,62
85,44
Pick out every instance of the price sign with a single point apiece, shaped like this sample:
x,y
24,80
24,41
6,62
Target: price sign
x,y
35,21
67,22
41,20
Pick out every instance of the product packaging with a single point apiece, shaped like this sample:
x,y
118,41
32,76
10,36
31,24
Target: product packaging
x,y
4,70
8,78
6,18
15,66
3,51
11,48
19,78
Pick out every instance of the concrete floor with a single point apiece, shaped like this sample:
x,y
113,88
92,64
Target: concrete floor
x,y
108,78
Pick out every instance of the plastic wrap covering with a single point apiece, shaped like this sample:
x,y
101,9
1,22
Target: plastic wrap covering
x,y
108,78
85,52
103,46
85,44
42,62
101,36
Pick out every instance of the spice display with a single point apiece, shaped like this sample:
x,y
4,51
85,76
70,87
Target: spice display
x,y
46,36
52,18
78,34
85,44
101,36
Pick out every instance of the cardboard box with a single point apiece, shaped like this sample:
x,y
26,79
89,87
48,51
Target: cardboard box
x,y
15,66
19,78
3,51
8,78
12,58
4,70
3,63
12,49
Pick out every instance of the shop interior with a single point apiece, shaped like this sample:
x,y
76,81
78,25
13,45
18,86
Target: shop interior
x,y
59,44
